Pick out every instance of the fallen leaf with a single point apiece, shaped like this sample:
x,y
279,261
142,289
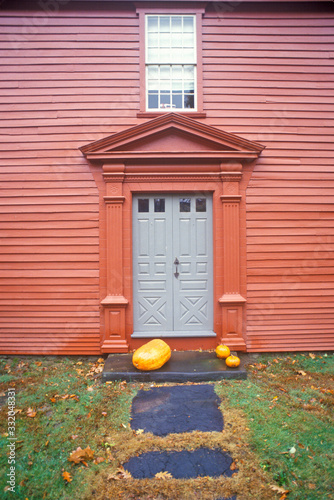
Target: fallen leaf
x,y
121,473
292,450
67,476
80,455
31,413
163,475
98,460
74,436
233,466
301,372
311,486
278,489
139,431
312,355
90,388
100,360
38,363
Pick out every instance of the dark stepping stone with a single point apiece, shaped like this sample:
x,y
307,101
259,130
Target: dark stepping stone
x,y
177,409
181,464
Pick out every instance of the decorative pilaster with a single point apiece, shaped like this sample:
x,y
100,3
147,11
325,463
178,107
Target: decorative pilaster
x,y
114,303
231,301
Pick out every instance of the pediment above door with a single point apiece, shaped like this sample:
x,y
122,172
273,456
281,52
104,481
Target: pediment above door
x,y
172,136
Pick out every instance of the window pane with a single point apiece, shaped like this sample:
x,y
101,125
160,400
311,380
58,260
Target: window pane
x,y
188,23
159,204
152,55
177,100
185,204
177,40
189,87
200,204
189,101
153,86
188,40
177,85
152,39
165,23
165,55
189,72
165,85
153,101
164,72
143,205
153,72
152,23
176,23
164,40
188,55
177,71
165,100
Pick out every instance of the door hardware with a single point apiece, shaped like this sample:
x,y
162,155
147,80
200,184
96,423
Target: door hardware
x,y
176,263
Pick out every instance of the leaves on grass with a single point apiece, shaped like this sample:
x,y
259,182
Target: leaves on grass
x,y
96,368
163,475
67,476
31,413
278,489
121,473
98,460
80,455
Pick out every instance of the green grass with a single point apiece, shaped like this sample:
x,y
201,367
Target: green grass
x,y
45,442
290,416
279,427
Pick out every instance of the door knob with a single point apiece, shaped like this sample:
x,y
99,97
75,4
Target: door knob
x,y
176,263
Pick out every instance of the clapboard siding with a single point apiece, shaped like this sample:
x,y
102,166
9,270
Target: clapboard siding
x,y
62,85
274,73
73,77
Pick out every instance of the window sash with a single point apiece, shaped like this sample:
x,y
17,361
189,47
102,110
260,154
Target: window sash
x,y
166,55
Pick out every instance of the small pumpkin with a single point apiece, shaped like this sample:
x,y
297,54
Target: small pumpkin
x,y
232,361
222,351
152,355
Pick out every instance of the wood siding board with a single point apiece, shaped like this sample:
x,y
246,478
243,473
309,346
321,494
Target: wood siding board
x,y
268,76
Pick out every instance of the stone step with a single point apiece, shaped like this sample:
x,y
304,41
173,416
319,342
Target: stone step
x,y
183,366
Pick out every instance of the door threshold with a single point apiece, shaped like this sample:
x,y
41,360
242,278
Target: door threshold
x,y
173,334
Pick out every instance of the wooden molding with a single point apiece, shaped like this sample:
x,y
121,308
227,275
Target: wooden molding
x,y
171,153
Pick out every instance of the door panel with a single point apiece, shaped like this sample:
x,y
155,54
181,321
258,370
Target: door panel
x,y
192,244
168,230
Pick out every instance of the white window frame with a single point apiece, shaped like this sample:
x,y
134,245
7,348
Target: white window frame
x,y
170,63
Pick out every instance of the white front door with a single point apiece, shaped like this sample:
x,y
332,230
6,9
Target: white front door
x,y
172,265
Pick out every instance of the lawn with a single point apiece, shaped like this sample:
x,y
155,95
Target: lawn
x,y
72,433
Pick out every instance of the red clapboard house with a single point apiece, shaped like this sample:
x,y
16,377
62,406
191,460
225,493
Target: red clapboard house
x,y
167,170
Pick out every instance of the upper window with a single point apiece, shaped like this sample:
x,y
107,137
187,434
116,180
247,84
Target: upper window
x,y
170,60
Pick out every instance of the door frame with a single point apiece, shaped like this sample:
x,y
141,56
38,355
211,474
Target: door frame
x,y
175,195
172,153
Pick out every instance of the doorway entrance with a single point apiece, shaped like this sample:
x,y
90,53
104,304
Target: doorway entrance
x,y
172,265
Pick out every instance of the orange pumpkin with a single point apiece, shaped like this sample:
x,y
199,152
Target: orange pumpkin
x,y
232,361
222,351
152,355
